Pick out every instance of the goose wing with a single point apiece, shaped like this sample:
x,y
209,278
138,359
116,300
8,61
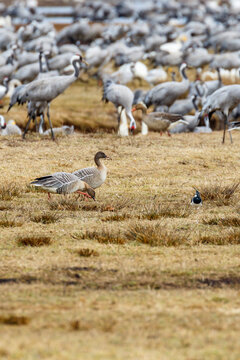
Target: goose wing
x,y
165,116
60,182
86,174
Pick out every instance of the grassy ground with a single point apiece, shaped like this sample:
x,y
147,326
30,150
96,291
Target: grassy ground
x,y
138,274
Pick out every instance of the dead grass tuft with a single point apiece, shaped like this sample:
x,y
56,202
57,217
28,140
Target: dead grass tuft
x,y
86,252
46,217
154,235
65,204
9,191
34,240
155,211
9,221
5,206
226,221
14,320
117,217
221,194
229,238
103,236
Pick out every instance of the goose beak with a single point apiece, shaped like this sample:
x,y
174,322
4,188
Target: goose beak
x,y
134,109
108,158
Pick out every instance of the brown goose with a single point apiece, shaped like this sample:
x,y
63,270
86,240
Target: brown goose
x,y
94,176
63,183
156,121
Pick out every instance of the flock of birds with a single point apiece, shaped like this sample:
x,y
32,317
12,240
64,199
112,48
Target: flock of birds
x,y
84,181
37,64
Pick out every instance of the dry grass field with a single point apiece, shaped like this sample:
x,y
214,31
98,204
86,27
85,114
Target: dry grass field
x,y
138,274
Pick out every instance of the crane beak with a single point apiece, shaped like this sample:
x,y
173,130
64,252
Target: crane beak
x,y
83,61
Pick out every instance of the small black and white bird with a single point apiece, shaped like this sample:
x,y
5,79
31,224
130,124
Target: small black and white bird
x,y
196,200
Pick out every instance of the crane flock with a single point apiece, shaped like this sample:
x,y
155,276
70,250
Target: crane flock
x,y
37,63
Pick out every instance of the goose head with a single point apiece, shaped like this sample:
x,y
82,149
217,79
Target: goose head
x,y
101,155
90,191
140,106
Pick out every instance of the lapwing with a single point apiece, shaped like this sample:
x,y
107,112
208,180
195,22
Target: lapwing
x,y
196,200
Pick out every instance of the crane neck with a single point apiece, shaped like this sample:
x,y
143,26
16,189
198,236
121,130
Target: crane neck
x,y
183,74
76,66
194,103
40,62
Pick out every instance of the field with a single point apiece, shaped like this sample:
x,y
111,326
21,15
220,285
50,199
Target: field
x,y
138,274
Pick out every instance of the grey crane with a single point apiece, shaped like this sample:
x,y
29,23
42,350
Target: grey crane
x,y
119,95
8,69
166,93
225,100
47,89
4,88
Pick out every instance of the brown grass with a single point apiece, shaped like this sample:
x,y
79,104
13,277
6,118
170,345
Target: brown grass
x,y
14,320
103,236
10,221
116,217
46,217
155,235
161,269
9,190
154,211
221,194
231,237
86,252
225,221
33,240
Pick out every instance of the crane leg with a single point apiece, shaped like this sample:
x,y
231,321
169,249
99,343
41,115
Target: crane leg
x,y
224,128
26,128
230,133
41,122
49,120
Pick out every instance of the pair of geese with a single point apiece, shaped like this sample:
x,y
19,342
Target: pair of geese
x,y
82,181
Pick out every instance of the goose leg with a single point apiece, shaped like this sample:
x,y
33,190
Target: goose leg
x,y
83,193
26,128
49,120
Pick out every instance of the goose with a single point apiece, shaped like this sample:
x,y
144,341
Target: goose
x,y
168,92
63,183
94,176
156,121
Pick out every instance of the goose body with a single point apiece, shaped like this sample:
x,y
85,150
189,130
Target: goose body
x,y
155,121
94,176
62,183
